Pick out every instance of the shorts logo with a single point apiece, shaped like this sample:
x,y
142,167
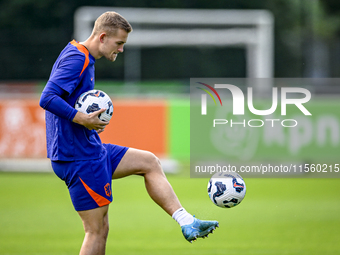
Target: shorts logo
x,y
107,188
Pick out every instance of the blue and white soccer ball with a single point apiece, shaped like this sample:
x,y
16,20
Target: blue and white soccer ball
x,y
94,100
226,189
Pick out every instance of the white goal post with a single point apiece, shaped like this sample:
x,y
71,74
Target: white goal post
x,y
251,29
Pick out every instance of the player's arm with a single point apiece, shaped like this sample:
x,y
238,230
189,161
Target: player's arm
x,y
52,100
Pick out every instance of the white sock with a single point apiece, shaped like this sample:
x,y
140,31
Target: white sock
x,y
182,217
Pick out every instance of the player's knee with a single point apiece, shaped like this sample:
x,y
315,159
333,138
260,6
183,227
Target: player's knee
x,y
100,230
101,233
106,232
153,163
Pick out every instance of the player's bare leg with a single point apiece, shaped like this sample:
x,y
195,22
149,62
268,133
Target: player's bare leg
x,y
139,162
96,226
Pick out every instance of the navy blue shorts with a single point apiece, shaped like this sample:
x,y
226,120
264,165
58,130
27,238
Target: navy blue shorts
x,y
89,182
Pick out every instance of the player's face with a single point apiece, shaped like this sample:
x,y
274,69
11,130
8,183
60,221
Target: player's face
x,y
112,45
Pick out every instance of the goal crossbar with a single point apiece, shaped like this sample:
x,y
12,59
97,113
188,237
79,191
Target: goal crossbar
x,y
250,29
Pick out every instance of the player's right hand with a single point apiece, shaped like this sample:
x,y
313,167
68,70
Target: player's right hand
x,y
91,121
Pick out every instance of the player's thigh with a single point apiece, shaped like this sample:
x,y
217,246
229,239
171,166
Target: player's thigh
x,y
136,162
95,220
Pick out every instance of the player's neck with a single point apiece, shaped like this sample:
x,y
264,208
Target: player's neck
x,y
91,45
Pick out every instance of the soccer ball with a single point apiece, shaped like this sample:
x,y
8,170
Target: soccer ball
x,y
94,100
226,189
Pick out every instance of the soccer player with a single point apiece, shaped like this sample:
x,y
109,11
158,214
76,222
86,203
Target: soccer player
x,y
77,154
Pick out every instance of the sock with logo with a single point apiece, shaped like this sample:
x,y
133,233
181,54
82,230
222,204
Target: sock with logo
x,y
182,217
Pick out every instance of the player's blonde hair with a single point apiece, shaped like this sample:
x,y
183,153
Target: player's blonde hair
x,y
109,22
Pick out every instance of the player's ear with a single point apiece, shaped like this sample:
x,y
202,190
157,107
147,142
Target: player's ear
x,y
102,37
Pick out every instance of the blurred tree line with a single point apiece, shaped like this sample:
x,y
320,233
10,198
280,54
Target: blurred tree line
x,y
307,44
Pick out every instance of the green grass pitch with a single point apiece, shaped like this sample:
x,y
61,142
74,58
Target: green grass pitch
x,y
277,216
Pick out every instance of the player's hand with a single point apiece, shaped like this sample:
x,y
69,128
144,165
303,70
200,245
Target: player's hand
x,y
91,121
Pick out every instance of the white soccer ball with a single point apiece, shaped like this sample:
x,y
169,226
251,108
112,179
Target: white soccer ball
x,y
94,100
226,189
